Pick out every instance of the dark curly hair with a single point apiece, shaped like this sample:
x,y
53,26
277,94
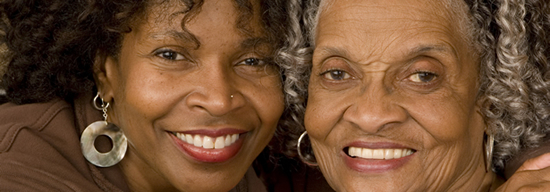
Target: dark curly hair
x,y
52,46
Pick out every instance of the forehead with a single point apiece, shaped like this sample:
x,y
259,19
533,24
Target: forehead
x,y
176,14
173,22
173,16
444,12
391,24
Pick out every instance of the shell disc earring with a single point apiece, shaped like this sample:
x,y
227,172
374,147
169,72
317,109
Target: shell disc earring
x,y
87,140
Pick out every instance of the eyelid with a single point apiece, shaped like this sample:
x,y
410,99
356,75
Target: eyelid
x,y
336,63
183,54
263,59
260,60
331,69
416,72
334,69
347,75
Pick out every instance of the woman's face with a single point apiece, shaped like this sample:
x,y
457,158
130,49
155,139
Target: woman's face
x,y
195,118
392,97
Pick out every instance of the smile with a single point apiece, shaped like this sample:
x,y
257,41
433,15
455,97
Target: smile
x,y
207,142
375,158
367,153
209,148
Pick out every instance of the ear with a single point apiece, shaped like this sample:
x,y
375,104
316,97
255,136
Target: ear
x,y
106,76
479,106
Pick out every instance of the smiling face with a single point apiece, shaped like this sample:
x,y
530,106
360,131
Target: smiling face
x,y
392,98
195,118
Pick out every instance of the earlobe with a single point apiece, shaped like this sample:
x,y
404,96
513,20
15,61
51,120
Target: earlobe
x,y
104,75
479,105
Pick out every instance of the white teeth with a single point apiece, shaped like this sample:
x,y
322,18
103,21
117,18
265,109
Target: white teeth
x,y
181,136
397,154
388,153
220,142
208,142
354,151
189,138
227,141
197,141
378,154
234,138
367,153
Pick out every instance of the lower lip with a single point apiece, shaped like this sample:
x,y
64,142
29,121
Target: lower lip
x,y
209,155
374,165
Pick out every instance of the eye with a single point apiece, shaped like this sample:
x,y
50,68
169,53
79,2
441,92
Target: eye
x,y
422,77
336,75
170,55
252,62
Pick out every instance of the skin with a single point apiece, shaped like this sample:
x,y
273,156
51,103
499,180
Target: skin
x,y
533,176
396,74
161,83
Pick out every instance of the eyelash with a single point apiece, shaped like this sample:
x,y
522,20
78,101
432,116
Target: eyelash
x,y
434,76
330,71
258,62
175,56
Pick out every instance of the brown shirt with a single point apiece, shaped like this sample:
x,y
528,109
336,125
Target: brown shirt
x,y
40,150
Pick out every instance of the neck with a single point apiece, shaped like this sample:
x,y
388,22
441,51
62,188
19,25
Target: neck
x,y
140,176
495,182
480,181
475,177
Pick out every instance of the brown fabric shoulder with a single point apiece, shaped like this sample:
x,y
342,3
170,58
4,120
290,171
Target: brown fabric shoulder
x,y
40,150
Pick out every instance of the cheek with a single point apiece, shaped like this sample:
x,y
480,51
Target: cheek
x,y
328,163
319,117
445,115
149,92
268,98
453,130
143,96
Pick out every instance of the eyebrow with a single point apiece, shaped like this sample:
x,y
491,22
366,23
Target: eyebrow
x,y
334,51
418,50
254,42
185,38
430,48
177,35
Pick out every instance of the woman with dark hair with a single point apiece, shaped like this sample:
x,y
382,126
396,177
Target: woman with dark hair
x,y
144,95
427,95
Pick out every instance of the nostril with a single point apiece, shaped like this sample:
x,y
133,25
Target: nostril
x,y
214,101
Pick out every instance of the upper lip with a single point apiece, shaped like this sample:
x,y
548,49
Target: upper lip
x,y
378,145
213,132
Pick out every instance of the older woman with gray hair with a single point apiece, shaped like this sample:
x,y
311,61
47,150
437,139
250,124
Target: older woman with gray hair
x,y
426,95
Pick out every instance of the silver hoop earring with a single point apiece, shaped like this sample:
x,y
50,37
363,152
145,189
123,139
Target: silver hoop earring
x,y
87,140
299,149
489,152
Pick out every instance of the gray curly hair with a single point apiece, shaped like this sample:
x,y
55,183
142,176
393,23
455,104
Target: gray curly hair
x,y
292,60
513,42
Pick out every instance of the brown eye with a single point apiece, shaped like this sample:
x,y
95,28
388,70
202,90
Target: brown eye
x,y
422,77
170,55
336,75
253,62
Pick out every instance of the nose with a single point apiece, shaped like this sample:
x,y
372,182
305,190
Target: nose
x,y
374,109
217,92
